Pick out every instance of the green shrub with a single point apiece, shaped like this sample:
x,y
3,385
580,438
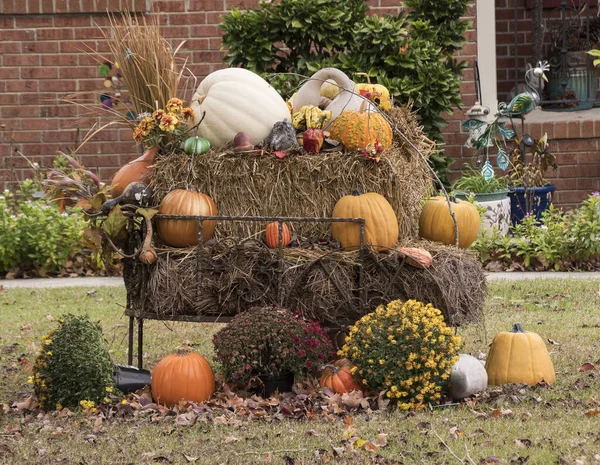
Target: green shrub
x,y
411,54
73,367
560,239
34,234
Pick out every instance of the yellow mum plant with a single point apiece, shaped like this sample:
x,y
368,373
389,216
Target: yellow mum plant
x,y
405,349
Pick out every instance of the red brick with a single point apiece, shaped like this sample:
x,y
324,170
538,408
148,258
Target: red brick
x,y
39,47
207,5
37,98
22,86
59,60
560,130
89,33
19,112
58,86
78,72
577,145
16,34
588,184
588,157
10,47
566,158
573,129
39,73
74,21
579,171
21,60
169,5
29,21
205,31
61,6
34,6
570,196
587,129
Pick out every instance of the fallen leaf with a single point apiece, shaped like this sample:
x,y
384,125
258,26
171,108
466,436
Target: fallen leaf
x,y
229,439
492,459
348,421
190,458
587,367
49,317
268,457
312,432
97,425
580,461
592,412
349,432
287,460
381,440
371,447
28,404
358,443
26,327
553,342
455,432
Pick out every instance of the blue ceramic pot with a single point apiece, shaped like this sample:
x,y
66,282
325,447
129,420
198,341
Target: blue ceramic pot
x,y
529,200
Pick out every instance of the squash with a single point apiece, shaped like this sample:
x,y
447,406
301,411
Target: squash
x,y
416,257
375,92
338,377
348,97
184,233
381,224
436,224
519,356
236,100
361,130
196,145
134,171
182,376
272,235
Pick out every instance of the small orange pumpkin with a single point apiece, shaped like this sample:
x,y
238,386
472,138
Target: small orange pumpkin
x,y
134,171
185,375
338,378
184,233
361,130
272,235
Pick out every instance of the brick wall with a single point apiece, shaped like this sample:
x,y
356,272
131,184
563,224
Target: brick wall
x,y
43,57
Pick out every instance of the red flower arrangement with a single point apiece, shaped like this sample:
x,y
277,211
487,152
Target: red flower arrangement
x,y
271,341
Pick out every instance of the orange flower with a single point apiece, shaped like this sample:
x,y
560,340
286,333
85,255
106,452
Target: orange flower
x,y
188,113
146,125
174,105
168,122
158,114
138,135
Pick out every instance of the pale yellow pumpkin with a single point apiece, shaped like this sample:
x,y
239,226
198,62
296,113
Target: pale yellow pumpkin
x,y
436,224
381,224
519,356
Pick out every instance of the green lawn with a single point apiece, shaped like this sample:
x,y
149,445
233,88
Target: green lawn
x,y
513,424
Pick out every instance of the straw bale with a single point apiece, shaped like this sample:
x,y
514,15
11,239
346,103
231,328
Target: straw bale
x,y
229,277
301,184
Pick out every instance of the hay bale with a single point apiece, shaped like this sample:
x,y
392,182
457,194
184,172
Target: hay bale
x,y
301,184
322,282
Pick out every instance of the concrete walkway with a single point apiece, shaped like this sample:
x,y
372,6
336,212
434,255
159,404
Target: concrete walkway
x,y
38,283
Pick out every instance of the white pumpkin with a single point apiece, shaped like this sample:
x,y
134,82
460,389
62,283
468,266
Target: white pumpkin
x,y
236,100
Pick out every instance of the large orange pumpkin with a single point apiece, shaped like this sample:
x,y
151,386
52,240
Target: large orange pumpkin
x,y
272,235
338,378
184,233
381,224
134,171
360,130
436,224
185,375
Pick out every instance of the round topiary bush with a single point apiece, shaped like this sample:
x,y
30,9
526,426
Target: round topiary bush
x,y
404,348
73,367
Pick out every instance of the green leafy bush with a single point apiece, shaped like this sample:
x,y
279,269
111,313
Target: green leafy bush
x,y
562,240
34,234
73,367
411,54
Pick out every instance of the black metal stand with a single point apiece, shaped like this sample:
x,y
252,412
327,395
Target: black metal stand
x,y
135,275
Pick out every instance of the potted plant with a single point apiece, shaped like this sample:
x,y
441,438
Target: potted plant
x,y
490,194
273,345
530,193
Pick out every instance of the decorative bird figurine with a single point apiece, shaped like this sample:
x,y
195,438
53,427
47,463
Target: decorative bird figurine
x,y
526,101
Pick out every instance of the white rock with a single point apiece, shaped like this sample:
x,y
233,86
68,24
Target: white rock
x,y
468,377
